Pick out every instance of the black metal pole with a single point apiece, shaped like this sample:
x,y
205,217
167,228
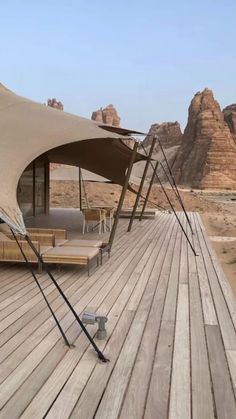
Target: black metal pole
x,y
141,184
168,199
148,192
122,196
80,190
41,290
100,354
175,188
180,201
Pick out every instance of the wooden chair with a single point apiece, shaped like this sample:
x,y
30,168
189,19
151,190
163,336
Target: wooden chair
x,y
76,255
110,213
94,215
10,252
60,235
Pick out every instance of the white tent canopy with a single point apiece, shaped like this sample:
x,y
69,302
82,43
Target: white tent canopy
x,y
29,130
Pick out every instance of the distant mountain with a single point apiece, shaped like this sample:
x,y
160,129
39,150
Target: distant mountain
x,y
107,115
206,158
169,134
230,118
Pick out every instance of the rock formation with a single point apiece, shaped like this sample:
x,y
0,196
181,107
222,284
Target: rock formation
x,y
169,133
206,158
107,115
230,118
55,104
170,136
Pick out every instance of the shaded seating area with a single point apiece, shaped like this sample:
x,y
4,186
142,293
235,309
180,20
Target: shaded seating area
x,y
53,246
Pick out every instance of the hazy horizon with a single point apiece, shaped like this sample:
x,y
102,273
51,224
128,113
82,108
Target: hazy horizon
x,y
147,59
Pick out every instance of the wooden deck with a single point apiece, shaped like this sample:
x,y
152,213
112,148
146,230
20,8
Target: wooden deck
x,y
171,333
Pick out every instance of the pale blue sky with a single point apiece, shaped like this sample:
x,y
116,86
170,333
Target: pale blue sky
x,y
148,57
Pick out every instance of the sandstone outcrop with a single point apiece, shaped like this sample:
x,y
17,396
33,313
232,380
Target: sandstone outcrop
x,y
107,115
170,136
206,158
230,118
169,133
55,104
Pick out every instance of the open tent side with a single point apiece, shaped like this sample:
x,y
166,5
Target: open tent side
x,y
29,130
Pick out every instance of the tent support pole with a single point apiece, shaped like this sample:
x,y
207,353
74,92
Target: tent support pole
x,y
80,190
41,290
40,259
169,201
148,192
122,196
175,188
141,184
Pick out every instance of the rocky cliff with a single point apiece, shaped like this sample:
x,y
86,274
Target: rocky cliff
x,y
170,136
55,104
206,158
107,115
169,133
230,118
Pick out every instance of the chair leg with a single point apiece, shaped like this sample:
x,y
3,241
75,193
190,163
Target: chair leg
x,y
101,257
83,226
88,268
100,227
40,267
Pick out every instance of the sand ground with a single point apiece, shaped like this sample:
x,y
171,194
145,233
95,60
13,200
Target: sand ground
x,y
218,211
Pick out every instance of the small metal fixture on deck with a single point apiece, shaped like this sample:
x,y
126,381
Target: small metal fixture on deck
x,y
92,318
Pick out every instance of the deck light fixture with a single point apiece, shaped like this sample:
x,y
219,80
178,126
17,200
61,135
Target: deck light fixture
x,y
92,318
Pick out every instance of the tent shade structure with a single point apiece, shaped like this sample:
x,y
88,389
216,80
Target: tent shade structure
x,y
71,173
29,130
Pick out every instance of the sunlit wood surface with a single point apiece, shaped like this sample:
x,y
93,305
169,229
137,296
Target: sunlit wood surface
x,y
171,333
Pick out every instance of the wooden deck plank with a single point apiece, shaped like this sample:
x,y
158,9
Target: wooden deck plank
x,y
32,313
136,393
224,318
158,395
42,399
208,307
176,310
44,345
231,357
180,407
201,386
225,286
110,406
184,268
202,400
222,385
